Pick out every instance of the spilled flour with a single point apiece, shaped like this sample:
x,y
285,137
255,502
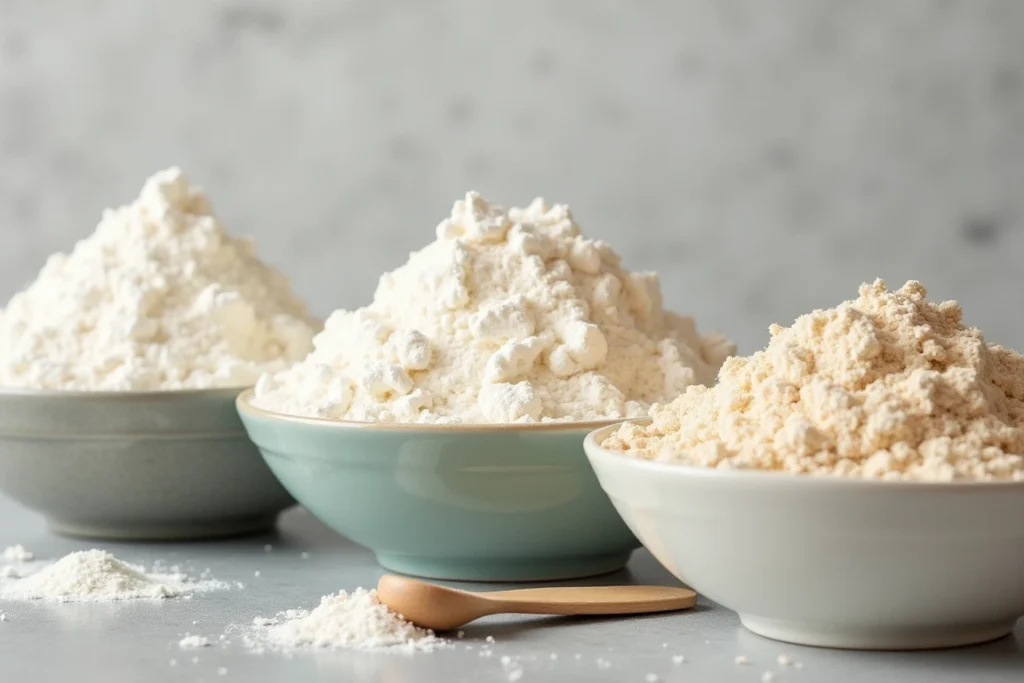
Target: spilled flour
x,y
355,620
98,576
17,553
887,386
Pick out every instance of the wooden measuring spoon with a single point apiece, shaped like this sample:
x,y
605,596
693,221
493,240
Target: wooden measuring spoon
x,y
442,609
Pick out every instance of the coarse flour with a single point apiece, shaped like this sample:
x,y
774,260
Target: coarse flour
x,y
98,576
508,316
355,620
887,386
159,297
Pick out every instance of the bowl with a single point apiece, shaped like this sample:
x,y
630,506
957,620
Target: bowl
x,y
136,466
459,502
832,562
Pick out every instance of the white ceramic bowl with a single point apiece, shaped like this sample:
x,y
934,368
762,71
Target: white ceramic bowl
x,y
831,562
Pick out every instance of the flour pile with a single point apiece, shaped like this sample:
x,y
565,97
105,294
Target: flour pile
x,y
888,386
159,297
355,620
17,553
98,576
509,316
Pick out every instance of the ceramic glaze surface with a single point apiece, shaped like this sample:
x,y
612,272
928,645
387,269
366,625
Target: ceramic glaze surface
x,y
832,562
476,504
165,465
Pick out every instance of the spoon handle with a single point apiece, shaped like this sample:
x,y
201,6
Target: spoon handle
x,y
593,600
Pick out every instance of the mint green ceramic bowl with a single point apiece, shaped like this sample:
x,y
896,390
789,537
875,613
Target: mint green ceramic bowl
x,y
461,502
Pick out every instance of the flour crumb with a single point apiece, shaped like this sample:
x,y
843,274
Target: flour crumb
x,y
191,642
889,386
489,639
3,616
798,665
222,671
678,659
554,656
355,620
195,660
652,678
159,297
741,659
767,677
784,660
98,576
603,663
515,674
509,316
173,662
460,635
256,573
17,553
505,660
304,556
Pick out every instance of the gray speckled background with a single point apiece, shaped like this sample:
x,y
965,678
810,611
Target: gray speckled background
x,y
766,157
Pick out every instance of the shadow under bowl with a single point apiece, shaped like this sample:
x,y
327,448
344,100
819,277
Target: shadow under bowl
x,y
170,465
832,562
458,502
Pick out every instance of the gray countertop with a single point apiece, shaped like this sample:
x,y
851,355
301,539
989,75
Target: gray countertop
x,y
138,641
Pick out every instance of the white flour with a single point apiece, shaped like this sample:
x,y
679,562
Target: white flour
x,y
98,576
887,386
355,620
160,296
193,642
17,553
509,316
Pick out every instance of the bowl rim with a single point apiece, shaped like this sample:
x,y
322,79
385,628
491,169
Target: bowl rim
x,y
112,395
245,407
595,451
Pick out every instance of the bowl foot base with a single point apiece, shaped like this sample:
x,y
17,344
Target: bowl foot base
x,y
503,569
868,638
168,531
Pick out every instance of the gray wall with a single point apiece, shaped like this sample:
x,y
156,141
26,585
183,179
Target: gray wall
x,y
765,157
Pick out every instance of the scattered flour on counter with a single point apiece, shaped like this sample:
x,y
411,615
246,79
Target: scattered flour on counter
x,y
355,620
509,316
17,553
98,576
888,386
191,642
160,296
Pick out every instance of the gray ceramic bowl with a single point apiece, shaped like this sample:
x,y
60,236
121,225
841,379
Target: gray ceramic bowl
x,y
141,466
463,502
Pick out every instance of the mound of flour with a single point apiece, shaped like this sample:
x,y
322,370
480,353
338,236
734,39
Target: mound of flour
x,y
887,386
355,620
508,316
98,576
159,297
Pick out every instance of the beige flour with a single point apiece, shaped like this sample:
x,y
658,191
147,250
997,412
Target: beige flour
x,y
98,576
160,296
355,620
888,386
509,316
